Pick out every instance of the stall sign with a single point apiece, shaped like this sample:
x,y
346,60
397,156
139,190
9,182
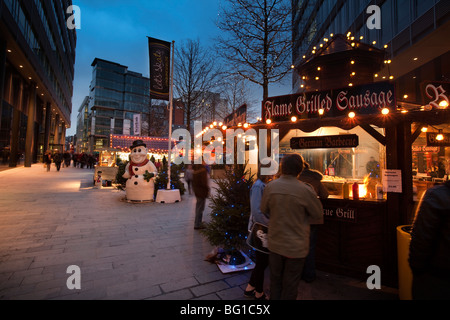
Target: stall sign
x,y
425,149
364,99
392,180
436,94
321,142
344,213
433,142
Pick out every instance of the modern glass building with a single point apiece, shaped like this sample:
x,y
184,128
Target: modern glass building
x,y
412,32
37,56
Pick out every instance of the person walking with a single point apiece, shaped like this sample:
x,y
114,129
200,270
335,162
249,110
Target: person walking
x,y
314,178
201,190
255,287
57,159
48,159
289,204
188,175
429,251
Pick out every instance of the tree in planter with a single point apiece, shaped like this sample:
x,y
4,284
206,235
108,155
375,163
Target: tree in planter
x,y
228,228
120,180
175,181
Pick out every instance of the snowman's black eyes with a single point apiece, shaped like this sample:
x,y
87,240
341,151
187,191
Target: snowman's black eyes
x,y
134,150
139,150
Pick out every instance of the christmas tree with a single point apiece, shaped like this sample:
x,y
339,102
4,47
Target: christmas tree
x,y
175,182
230,211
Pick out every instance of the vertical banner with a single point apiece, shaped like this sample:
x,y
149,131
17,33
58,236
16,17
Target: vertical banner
x,y
159,52
126,126
137,124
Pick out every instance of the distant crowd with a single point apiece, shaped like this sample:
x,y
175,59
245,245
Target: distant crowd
x,y
79,160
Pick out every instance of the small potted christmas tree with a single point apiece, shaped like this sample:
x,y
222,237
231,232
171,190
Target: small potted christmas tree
x,y
228,227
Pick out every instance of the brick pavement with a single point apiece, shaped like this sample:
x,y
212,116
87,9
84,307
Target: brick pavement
x,y
51,220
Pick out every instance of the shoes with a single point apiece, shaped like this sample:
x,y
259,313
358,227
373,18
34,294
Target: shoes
x,y
249,293
263,297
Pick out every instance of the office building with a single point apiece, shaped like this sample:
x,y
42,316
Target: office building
x,y
117,95
37,56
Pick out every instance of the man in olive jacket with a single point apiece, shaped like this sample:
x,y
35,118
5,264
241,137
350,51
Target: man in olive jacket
x,y
290,205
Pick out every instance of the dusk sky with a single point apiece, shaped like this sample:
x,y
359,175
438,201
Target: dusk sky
x,y
117,30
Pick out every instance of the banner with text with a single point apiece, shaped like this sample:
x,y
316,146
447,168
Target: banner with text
x,y
159,52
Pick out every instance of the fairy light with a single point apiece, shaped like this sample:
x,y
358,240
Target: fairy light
x,y
351,115
385,111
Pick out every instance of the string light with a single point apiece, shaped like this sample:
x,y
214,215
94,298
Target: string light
x,y
385,111
440,136
351,115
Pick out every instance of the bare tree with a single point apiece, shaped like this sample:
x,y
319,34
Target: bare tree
x,y
257,39
194,75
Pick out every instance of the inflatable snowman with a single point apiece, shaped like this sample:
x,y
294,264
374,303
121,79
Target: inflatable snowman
x,y
140,173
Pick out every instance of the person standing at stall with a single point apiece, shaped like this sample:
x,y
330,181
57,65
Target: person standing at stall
x,y
255,287
314,178
289,204
188,175
429,251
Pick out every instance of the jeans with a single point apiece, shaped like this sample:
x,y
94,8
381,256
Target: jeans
x,y
285,276
257,277
199,208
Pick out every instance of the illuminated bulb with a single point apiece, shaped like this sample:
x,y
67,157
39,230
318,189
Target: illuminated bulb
x,y
321,111
353,73
211,126
294,119
405,96
391,77
317,78
351,114
215,123
385,46
318,68
352,62
376,75
245,125
443,104
374,42
224,128
353,44
350,84
220,124
331,35
314,51
424,129
304,57
415,59
292,66
302,86
385,111
440,136
360,38
268,121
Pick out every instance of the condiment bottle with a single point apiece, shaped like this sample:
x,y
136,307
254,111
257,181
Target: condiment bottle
x,y
355,189
345,190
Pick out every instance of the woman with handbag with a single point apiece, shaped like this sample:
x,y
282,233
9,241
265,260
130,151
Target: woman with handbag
x,y
255,286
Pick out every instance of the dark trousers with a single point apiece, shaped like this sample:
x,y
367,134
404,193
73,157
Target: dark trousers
x,y
58,165
309,269
285,276
199,208
257,277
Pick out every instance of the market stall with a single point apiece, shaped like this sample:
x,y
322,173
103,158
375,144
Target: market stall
x,y
349,126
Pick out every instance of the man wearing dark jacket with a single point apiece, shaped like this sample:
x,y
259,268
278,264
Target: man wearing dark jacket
x,y
201,190
429,252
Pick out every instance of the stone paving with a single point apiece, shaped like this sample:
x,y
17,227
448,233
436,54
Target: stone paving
x,y
52,220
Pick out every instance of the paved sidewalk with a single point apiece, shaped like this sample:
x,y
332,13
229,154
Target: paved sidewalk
x,y
51,220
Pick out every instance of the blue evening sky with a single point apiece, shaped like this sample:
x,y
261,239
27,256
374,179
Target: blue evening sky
x,y
117,30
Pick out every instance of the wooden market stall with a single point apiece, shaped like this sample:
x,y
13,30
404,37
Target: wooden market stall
x,y
343,122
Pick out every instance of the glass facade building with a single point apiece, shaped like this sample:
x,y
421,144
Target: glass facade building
x,y
37,53
409,29
116,94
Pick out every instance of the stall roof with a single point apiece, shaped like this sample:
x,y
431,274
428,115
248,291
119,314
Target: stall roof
x,y
154,144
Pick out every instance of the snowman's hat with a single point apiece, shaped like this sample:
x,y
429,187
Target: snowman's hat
x,y
138,143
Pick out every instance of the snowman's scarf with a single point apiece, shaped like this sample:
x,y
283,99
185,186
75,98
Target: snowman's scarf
x,y
132,164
